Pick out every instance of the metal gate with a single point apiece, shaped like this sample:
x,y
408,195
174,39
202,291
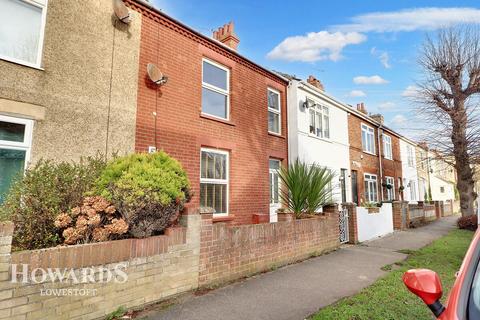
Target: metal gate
x,y
343,225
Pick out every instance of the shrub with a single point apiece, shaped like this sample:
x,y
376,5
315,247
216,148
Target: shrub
x,y
46,190
307,187
468,222
148,190
95,220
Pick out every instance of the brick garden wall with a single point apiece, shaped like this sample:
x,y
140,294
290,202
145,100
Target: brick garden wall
x,y
198,254
232,252
156,267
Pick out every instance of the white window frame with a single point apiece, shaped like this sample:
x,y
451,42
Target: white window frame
x,y
218,181
392,190
371,180
318,111
217,89
42,4
279,111
272,173
413,190
366,128
410,156
387,147
26,144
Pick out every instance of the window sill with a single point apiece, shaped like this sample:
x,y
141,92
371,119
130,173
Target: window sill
x,y
223,218
320,138
276,135
372,154
209,117
391,159
20,63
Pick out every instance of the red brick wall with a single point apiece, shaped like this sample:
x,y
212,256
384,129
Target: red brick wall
x,y
232,252
181,131
364,162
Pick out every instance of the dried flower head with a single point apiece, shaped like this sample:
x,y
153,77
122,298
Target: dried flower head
x,y
63,220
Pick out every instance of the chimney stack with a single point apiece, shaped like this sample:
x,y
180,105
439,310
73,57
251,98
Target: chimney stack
x,y
361,108
315,82
378,117
227,36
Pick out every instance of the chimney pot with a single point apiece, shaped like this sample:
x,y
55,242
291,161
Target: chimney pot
x,y
227,36
315,82
361,108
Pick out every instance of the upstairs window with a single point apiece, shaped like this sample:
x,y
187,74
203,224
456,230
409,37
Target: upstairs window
x,y
387,147
215,90
411,156
21,33
368,139
320,121
274,111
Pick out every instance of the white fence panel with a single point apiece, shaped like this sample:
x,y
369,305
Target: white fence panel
x,y
373,225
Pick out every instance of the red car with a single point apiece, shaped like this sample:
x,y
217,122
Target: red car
x,y
464,300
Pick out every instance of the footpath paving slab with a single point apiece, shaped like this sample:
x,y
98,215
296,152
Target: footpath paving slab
x,y
298,290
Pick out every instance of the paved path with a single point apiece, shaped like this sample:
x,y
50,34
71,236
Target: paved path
x,y
298,290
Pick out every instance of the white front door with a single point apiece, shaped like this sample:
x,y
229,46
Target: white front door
x,y
274,166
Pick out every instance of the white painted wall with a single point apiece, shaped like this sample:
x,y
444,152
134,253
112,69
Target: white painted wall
x,y
374,225
436,185
332,153
409,173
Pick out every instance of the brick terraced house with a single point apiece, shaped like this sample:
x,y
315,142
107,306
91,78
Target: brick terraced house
x,y
221,115
376,166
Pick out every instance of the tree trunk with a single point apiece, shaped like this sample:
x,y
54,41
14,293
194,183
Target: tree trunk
x,y
465,182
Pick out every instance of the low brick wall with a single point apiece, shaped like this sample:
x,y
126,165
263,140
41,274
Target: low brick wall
x,y
89,281
232,252
153,269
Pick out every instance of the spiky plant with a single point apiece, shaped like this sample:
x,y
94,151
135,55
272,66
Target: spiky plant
x,y
306,188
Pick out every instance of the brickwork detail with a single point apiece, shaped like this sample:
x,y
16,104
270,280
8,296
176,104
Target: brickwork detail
x,y
232,252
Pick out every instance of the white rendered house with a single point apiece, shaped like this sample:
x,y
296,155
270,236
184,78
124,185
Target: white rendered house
x,y
409,171
318,132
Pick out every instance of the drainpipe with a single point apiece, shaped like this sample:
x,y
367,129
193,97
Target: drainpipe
x,y
380,160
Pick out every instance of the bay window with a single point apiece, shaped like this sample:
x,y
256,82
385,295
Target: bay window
x,y
390,186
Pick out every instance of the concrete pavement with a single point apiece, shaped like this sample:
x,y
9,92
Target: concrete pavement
x,y
298,290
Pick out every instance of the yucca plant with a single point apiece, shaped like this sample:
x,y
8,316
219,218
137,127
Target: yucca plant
x,y
306,188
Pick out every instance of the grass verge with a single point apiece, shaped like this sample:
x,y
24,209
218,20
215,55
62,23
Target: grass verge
x,y
388,298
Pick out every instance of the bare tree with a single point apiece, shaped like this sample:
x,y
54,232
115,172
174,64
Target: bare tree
x,y
448,102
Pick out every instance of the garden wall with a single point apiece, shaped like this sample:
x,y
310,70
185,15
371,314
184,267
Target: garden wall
x,y
232,252
101,277
374,224
154,268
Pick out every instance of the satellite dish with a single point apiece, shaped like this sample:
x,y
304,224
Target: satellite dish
x,y
156,75
121,11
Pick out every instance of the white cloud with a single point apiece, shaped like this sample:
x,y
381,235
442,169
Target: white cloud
x,y
382,56
357,93
410,91
386,105
430,18
315,46
399,120
369,80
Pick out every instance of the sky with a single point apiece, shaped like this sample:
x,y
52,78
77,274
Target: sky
x,y
362,51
